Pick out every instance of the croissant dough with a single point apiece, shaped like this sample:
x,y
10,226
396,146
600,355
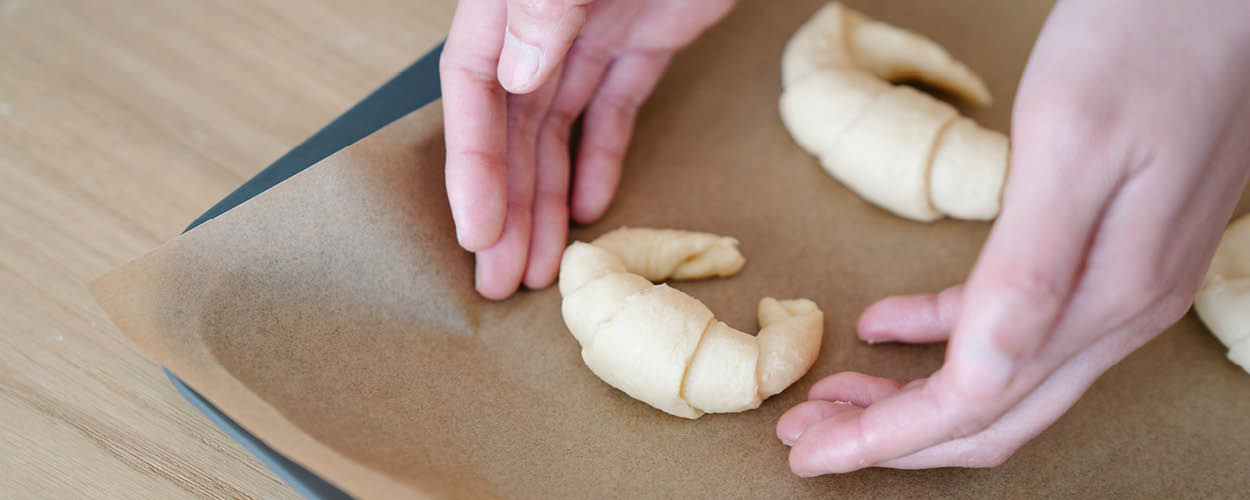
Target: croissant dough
x,y
897,147
1223,301
665,348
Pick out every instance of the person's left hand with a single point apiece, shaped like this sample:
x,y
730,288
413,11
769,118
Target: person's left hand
x,y
515,75
1131,146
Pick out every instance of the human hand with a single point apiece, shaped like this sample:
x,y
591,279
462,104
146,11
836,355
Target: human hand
x,y
1129,155
515,74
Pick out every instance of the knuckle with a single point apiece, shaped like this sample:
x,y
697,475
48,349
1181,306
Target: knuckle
x,y
477,68
962,416
1031,286
560,118
594,53
521,204
603,154
552,198
543,10
625,106
481,158
1077,115
522,120
531,106
1082,124
968,427
968,420
560,131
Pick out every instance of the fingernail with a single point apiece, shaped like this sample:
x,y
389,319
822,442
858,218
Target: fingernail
x,y
519,63
787,438
987,370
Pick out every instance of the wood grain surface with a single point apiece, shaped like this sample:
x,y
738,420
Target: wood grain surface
x,y
120,122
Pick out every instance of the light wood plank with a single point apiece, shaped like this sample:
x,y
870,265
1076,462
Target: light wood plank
x,y
120,122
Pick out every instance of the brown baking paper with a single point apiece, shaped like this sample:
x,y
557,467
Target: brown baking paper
x,y
334,315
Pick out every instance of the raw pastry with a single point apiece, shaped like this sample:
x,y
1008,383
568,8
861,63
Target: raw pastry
x,y
1223,302
664,347
897,147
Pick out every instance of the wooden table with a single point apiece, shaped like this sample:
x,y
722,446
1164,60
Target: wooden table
x,y
120,122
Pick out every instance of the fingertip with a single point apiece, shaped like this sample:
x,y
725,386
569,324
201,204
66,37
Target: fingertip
x,y
583,212
494,292
478,230
591,196
490,282
544,263
538,282
541,272
873,325
475,238
476,195
825,446
855,388
910,318
498,269
800,466
796,420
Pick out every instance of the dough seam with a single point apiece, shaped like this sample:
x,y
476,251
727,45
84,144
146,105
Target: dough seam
x,y
840,41
685,372
629,299
833,140
929,159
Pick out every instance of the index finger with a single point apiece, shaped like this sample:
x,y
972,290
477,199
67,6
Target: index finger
x,y
475,122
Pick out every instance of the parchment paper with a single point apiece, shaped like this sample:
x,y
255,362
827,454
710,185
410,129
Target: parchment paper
x,y
334,316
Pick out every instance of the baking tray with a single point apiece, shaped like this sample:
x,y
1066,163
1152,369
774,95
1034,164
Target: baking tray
x,y
408,91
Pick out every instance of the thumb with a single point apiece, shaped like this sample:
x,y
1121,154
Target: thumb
x,y
539,33
1064,175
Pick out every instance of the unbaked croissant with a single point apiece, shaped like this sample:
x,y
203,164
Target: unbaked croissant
x,y
894,145
1223,302
664,347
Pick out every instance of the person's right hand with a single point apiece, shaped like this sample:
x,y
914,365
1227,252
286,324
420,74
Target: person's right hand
x,y
1128,156
515,74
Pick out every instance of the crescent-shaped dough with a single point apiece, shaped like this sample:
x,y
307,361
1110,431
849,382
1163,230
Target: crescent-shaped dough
x,y
664,347
1223,301
899,148
836,37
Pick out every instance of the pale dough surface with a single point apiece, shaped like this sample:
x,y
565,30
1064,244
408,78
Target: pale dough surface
x,y
665,348
1223,301
895,137
968,171
899,148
